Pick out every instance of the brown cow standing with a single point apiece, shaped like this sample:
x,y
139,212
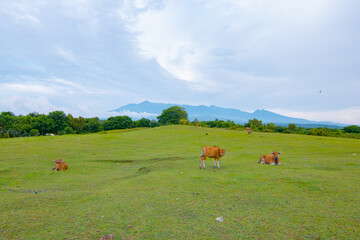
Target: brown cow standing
x,y
272,158
60,165
211,152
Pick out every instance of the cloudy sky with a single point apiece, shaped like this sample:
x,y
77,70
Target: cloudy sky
x,y
299,58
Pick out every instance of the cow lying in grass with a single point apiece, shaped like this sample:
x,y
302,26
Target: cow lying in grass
x,y
60,165
211,152
272,158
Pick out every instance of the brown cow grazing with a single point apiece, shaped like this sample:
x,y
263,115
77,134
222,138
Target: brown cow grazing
x,y
249,130
272,158
62,165
211,152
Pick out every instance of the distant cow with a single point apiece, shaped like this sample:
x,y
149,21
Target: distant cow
x,y
60,165
211,152
272,158
249,130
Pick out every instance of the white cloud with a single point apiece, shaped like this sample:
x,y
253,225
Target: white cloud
x,y
134,115
49,87
24,105
66,54
24,13
30,88
183,36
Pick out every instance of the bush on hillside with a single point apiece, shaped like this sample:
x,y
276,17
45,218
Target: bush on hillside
x,y
352,129
34,132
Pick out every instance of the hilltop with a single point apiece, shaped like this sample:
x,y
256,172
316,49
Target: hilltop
x,y
209,113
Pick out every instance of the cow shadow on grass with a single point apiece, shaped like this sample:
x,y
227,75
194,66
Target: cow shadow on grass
x,y
141,171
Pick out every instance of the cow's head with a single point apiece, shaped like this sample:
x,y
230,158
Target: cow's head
x,y
222,152
58,161
276,156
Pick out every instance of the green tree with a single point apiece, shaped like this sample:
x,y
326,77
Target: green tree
x,y
26,128
34,132
255,124
143,122
60,119
42,123
292,127
77,124
6,121
320,131
118,122
154,123
352,129
196,121
172,115
93,125
183,121
68,130
270,126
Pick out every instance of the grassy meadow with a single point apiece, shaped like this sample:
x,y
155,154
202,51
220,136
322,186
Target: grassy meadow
x,y
129,183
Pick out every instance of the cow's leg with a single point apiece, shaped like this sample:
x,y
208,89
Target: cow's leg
x,y
203,158
218,162
214,162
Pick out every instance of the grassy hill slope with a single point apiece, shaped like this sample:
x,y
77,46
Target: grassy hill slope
x,y
128,183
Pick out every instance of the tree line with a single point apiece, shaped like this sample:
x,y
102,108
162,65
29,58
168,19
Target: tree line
x,y
57,122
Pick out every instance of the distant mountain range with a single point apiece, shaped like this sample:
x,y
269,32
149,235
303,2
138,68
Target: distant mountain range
x,y
205,113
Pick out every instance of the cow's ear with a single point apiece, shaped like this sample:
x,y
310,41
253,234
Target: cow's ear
x,y
279,152
54,160
62,161
272,152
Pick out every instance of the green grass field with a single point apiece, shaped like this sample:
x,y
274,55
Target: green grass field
x,y
128,183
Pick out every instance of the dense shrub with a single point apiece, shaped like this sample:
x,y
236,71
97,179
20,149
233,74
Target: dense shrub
x,y
118,122
68,130
143,123
34,132
352,129
320,131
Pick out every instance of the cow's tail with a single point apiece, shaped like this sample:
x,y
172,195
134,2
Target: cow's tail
x,y
202,151
260,159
